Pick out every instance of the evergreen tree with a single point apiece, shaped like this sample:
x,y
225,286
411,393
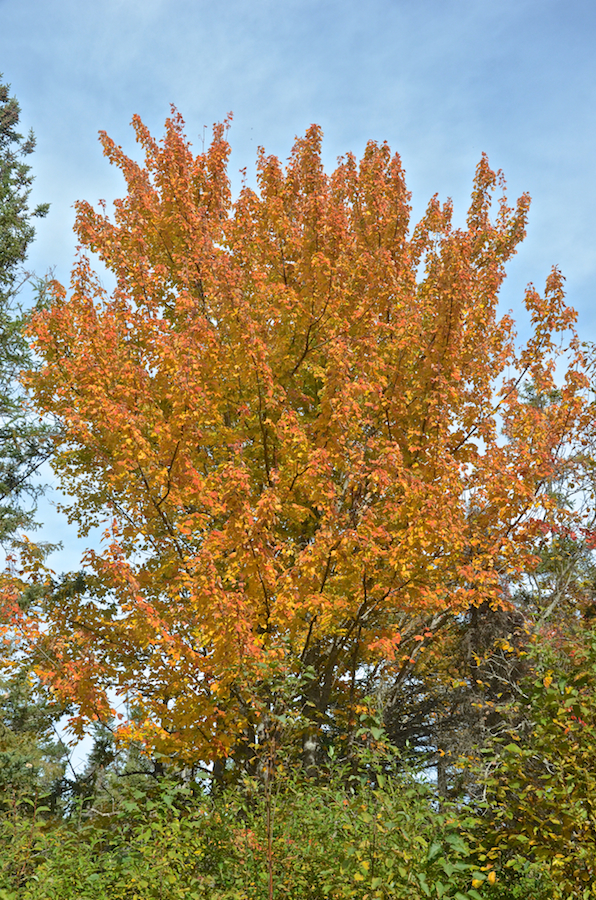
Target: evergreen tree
x,y
23,444
30,756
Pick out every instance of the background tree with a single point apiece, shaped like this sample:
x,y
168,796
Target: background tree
x,y
31,755
289,415
22,442
451,703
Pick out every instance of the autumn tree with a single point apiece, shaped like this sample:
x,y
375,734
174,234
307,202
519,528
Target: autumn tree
x,y
301,425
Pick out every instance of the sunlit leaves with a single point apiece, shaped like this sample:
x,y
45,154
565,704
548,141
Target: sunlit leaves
x,y
288,414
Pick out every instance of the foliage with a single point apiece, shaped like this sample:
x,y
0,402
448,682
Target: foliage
x,y
21,441
326,472
359,834
452,703
31,759
31,754
288,414
16,230
540,785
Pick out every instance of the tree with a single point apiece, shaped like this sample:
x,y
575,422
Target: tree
x,y
31,756
451,704
289,418
22,443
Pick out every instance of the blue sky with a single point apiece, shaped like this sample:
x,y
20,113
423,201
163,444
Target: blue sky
x,y
441,80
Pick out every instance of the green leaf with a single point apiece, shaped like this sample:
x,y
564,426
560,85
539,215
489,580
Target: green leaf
x,y
434,850
514,748
423,883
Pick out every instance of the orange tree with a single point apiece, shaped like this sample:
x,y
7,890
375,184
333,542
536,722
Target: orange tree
x,y
299,422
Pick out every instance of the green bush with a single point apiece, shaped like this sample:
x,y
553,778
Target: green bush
x,y
538,824
363,834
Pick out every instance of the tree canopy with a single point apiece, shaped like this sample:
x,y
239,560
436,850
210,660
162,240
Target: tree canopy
x,y
301,423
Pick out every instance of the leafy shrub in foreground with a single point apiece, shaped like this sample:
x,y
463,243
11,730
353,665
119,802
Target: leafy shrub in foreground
x,y
364,835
